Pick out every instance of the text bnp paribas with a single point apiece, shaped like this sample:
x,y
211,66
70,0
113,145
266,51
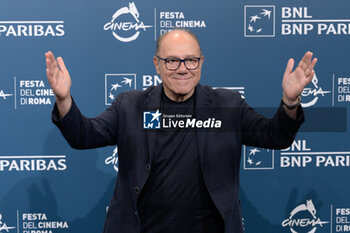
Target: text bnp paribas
x,y
300,21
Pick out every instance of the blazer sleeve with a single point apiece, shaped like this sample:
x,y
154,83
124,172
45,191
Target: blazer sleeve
x,y
275,133
84,133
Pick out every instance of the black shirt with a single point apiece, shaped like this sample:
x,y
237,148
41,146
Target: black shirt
x,y
175,198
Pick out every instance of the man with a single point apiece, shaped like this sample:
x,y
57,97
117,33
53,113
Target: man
x,y
178,181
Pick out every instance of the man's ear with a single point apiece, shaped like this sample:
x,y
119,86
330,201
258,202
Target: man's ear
x,y
156,64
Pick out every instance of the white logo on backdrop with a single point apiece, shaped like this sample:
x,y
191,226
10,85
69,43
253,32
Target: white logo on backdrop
x,y
259,21
117,83
3,226
117,27
257,158
315,92
113,159
252,153
3,95
307,222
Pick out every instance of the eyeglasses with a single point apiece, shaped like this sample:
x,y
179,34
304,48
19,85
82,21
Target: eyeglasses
x,y
174,63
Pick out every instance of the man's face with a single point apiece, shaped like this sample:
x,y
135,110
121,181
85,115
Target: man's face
x,y
179,84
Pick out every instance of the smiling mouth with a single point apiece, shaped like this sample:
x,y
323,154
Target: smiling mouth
x,y
182,78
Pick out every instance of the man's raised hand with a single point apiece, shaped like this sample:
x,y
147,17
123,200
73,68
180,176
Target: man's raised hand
x,y
294,82
60,82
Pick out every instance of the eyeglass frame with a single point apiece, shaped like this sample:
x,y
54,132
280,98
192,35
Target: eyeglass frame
x,y
181,61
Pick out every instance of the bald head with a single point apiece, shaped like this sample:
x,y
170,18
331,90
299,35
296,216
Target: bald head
x,y
177,33
181,46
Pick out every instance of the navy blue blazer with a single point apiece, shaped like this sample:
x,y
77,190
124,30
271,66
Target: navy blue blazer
x,y
219,150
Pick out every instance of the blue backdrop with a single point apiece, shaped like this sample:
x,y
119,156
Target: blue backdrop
x,y
48,187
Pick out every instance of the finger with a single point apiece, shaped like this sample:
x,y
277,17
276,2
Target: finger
x,y
62,65
48,66
50,62
50,57
309,78
51,68
310,67
289,68
313,63
305,61
307,57
301,63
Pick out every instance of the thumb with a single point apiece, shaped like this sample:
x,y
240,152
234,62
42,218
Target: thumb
x,y
289,67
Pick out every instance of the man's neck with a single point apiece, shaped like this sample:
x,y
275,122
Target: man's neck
x,y
178,98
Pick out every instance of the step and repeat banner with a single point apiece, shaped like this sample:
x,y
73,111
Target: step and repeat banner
x,y
108,46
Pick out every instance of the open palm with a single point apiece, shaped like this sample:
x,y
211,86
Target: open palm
x,y
295,81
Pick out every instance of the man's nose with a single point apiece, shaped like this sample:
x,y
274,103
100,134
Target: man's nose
x,y
182,68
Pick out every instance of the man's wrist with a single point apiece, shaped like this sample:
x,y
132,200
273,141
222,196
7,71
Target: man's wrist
x,y
64,106
290,104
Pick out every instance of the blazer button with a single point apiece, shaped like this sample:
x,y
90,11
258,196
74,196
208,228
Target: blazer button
x,y
148,167
136,189
135,213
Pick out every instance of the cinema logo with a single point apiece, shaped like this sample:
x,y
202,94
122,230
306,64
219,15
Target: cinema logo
x,y
310,95
4,227
30,163
303,219
113,159
123,29
4,95
300,155
32,28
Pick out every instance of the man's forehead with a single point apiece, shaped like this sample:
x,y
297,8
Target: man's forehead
x,y
179,41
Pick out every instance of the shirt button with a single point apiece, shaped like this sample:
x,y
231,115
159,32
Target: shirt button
x,y
136,189
148,167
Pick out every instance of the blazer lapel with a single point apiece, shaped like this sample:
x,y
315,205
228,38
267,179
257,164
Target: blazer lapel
x,y
152,103
203,103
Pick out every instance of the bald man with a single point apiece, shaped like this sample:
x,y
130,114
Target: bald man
x,y
179,180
